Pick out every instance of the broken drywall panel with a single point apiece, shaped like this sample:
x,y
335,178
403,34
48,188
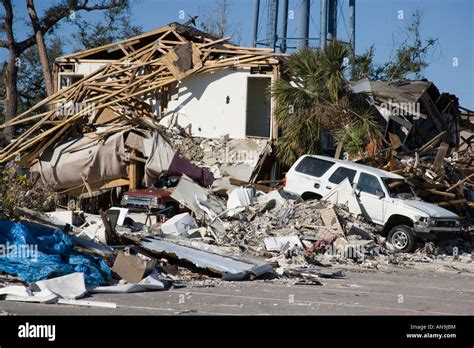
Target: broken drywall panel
x,y
70,286
276,243
196,198
178,225
150,283
40,297
65,216
273,195
345,195
240,197
15,290
199,232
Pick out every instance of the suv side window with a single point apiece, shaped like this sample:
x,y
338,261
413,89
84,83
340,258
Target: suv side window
x,y
368,183
341,173
313,166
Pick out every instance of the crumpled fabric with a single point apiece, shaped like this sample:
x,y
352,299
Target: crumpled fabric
x,y
33,253
180,165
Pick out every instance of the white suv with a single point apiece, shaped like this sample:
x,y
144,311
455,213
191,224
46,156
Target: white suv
x,y
385,198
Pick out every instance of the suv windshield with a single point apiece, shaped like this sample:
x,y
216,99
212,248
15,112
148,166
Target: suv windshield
x,y
398,188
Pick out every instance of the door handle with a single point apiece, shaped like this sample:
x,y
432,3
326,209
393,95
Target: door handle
x,y
328,187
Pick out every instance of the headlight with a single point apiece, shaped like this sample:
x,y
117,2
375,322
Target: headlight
x,y
457,223
154,201
424,221
432,221
125,198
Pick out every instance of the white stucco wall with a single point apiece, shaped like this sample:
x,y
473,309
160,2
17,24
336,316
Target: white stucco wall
x,y
202,102
87,68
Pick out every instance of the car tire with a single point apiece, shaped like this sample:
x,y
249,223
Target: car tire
x,y
402,238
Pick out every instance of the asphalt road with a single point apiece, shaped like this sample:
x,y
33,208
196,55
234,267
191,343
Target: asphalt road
x,y
397,292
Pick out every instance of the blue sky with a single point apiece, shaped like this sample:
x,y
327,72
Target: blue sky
x,y
377,22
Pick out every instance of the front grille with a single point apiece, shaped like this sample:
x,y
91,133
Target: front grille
x,y
445,223
139,200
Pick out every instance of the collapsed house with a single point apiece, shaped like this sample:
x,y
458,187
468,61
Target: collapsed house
x,y
416,112
217,89
101,129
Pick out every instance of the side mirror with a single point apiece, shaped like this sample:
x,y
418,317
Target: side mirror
x,y
379,193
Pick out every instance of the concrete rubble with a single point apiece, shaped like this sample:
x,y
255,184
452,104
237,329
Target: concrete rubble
x,y
248,235
224,157
234,230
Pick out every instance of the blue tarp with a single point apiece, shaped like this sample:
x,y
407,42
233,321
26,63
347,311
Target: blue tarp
x,y
34,253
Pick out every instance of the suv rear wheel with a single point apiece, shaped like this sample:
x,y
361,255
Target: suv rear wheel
x,y
402,238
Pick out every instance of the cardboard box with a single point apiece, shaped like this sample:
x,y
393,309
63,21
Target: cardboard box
x,y
132,268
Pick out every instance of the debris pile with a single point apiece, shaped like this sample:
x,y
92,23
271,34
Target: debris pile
x,y
248,235
233,228
224,157
438,174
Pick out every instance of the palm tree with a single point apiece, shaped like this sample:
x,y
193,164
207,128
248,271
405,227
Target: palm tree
x,y
313,95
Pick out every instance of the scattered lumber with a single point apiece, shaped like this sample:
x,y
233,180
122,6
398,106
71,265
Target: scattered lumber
x,y
113,97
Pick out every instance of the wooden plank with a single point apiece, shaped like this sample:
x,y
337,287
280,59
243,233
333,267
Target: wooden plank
x,y
133,171
105,116
337,155
114,183
454,202
102,48
214,42
432,142
460,182
86,184
237,182
441,193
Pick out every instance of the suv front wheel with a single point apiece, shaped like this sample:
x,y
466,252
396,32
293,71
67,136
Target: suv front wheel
x,y
402,238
